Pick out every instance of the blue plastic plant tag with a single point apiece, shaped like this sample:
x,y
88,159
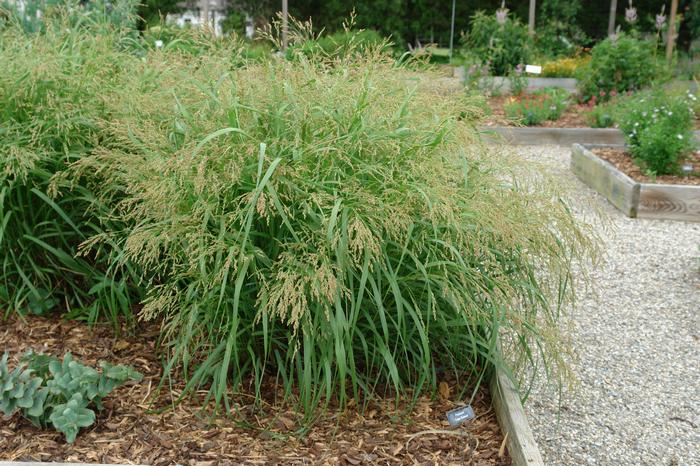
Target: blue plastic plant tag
x,y
460,415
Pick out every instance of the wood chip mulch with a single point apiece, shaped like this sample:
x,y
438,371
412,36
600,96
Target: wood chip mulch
x,y
127,432
622,160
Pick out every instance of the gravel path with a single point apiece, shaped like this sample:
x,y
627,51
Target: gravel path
x,y
638,397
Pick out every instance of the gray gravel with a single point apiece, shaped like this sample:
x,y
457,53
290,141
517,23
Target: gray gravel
x,y
637,401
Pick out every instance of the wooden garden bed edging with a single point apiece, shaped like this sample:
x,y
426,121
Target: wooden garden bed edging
x,y
521,444
529,136
537,136
634,199
502,84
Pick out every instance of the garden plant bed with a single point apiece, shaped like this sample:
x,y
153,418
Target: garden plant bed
x,y
126,432
573,117
635,199
622,160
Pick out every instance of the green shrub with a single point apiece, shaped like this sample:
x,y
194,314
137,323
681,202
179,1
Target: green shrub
x,y
501,46
620,64
46,390
658,129
544,104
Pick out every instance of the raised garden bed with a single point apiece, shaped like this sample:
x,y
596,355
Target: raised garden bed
x,y
127,432
635,197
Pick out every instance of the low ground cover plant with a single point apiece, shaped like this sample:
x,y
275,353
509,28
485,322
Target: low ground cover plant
x,y
618,64
601,116
541,105
328,224
63,394
658,128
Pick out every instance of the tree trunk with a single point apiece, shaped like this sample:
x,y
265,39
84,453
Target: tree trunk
x,y
671,30
611,20
531,18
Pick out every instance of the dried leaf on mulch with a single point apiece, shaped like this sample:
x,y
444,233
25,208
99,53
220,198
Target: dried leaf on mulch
x,y
128,431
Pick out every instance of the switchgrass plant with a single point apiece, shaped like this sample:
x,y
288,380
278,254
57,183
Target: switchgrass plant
x,y
52,93
329,225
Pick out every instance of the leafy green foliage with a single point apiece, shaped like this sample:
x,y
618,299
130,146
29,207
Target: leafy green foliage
x,y
501,46
601,116
618,65
544,104
558,33
46,390
658,129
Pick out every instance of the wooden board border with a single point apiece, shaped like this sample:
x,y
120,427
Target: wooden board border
x,y
529,136
642,200
522,447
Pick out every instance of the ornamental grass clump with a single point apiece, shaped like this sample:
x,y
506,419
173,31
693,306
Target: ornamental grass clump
x,y
329,224
52,100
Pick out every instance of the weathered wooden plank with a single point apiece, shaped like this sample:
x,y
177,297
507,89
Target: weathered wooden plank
x,y
521,444
618,188
528,136
502,84
670,202
558,136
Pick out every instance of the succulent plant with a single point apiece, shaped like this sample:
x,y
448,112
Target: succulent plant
x,y
46,390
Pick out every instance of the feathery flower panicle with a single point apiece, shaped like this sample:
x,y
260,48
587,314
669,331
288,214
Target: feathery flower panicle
x,y
661,18
631,14
502,13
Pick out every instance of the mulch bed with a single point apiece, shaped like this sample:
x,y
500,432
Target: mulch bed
x,y
573,117
621,159
126,432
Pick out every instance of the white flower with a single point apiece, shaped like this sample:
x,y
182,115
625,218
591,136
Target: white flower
x,y
679,136
670,113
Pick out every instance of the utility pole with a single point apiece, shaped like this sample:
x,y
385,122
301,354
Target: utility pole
x,y
452,30
611,20
531,18
205,14
671,30
285,23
